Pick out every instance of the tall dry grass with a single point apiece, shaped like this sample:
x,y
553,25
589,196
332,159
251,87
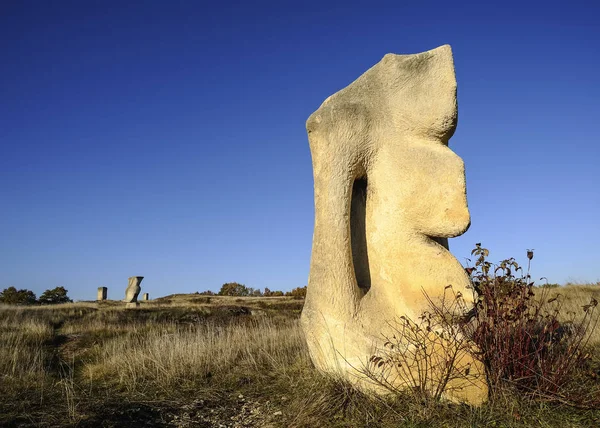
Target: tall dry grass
x,y
72,363
22,345
573,298
170,356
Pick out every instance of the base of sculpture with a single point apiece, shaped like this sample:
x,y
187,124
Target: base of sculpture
x,y
132,305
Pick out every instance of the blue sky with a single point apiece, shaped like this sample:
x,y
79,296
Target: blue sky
x,y
166,138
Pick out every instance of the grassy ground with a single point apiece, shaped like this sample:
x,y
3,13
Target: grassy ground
x,y
199,361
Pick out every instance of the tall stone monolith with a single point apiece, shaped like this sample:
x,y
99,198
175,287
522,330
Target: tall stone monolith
x,y
132,291
145,297
388,193
102,293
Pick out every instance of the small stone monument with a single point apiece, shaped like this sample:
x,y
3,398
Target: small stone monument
x,y
145,297
102,291
132,291
388,194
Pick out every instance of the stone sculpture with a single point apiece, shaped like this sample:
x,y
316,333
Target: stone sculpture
x,y
132,291
102,291
388,194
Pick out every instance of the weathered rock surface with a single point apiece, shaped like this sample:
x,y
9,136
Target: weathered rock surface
x,y
388,194
133,289
102,293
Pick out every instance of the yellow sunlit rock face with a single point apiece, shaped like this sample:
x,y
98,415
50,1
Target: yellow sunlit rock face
x,y
388,194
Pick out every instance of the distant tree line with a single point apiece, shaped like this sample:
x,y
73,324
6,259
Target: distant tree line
x,y
12,296
240,290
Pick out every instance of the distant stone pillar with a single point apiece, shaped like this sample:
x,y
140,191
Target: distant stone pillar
x,y
102,293
132,291
145,297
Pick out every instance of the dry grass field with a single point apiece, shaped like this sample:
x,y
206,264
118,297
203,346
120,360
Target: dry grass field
x,y
211,361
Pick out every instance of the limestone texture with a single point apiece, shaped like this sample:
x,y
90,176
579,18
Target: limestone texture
x,y
388,194
133,289
102,292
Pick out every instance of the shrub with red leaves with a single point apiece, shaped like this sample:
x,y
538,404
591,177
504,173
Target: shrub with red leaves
x,y
522,342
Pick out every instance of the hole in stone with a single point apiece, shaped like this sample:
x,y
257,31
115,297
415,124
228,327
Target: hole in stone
x,y
358,234
442,241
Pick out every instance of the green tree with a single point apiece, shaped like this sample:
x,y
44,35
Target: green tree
x,y
12,296
54,296
233,289
298,293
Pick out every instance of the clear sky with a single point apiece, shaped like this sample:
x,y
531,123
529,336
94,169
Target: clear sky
x,y
166,138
